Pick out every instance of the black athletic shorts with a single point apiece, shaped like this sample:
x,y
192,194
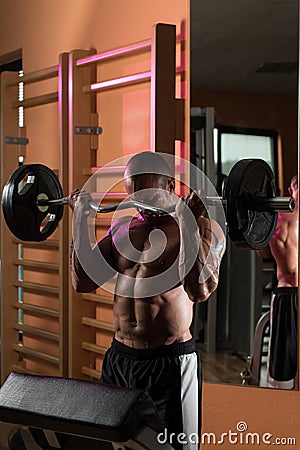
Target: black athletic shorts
x,y
283,348
172,376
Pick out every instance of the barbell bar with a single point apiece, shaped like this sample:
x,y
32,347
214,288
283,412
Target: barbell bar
x,y
33,193
109,208
277,204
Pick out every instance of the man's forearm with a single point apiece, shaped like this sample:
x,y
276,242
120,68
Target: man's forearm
x,y
203,278
202,245
84,264
80,281
91,266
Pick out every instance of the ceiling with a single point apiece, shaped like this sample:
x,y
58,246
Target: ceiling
x,y
232,39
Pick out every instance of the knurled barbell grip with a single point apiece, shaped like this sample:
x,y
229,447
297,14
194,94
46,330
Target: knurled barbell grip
x,y
130,204
109,208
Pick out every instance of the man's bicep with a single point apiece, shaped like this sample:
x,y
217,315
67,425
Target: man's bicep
x,y
213,238
219,237
90,272
105,249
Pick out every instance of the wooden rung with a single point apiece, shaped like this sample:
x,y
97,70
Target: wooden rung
x,y
36,287
94,348
37,101
21,369
44,244
36,332
105,170
110,171
35,354
103,196
117,82
32,77
98,324
105,290
40,310
98,299
132,48
39,266
91,372
102,222
109,286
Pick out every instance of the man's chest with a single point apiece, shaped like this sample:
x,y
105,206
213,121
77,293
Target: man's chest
x,y
137,243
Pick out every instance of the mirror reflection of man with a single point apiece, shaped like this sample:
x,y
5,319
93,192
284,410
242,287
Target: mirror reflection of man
x,y
283,346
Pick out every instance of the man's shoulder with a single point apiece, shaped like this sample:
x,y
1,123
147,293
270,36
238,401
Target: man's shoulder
x,y
281,231
282,223
124,221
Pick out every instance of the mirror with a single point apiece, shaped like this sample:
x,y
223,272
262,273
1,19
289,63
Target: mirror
x,y
244,81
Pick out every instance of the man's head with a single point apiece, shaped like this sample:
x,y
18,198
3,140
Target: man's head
x,y
148,170
148,178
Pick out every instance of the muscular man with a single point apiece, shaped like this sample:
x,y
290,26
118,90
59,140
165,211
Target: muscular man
x,y
153,348
283,348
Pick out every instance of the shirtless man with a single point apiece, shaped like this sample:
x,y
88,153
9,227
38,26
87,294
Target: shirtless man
x,y
283,348
153,348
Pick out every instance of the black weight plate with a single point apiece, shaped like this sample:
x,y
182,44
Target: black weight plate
x,y
246,227
19,202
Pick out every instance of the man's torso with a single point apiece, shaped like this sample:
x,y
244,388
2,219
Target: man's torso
x,y
284,247
164,317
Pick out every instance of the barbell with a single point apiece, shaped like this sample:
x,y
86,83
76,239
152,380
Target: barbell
x,y
32,203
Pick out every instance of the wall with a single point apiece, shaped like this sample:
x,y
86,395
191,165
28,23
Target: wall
x,y
43,30
263,410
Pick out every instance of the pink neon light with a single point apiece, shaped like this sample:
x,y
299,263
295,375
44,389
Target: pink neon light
x,y
182,156
120,81
114,53
180,69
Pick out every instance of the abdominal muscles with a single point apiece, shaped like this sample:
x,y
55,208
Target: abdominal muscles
x,y
153,321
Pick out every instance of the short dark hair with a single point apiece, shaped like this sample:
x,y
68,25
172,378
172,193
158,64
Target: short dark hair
x,y
147,162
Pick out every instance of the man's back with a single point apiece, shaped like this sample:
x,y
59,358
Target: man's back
x,y
284,248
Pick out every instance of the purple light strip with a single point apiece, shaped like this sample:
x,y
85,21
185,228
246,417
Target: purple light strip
x,y
119,81
113,53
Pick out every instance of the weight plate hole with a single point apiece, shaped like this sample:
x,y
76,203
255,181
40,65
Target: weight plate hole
x,y
48,221
25,184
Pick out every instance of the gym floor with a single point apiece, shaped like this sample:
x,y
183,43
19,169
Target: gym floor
x,y
222,367
225,367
